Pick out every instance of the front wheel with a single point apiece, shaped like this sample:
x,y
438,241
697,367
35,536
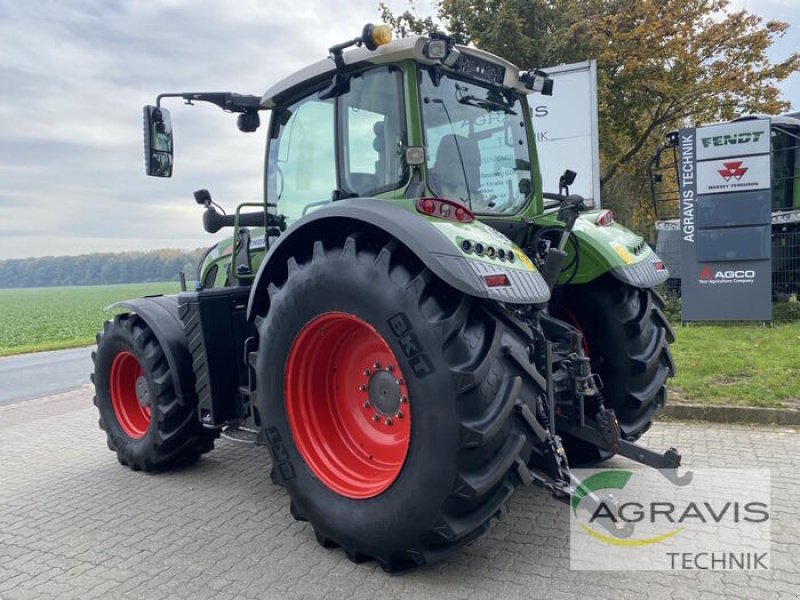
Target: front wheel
x,y
146,424
389,403
627,339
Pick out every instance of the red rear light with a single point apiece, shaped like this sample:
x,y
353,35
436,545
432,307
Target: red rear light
x,y
605,218
445,209
499,280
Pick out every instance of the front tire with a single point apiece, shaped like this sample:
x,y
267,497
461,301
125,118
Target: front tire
x,y
146,424
412,491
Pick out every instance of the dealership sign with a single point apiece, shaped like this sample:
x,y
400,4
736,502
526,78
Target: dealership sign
x,y
736,174
725,183
740,138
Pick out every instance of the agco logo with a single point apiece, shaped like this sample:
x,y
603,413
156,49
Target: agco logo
x,y
708,275
733,169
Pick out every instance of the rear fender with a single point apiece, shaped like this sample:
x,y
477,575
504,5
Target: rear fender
x,y
160,313
609,249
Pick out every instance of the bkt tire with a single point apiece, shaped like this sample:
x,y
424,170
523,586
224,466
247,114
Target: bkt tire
x,y
390,403
147,426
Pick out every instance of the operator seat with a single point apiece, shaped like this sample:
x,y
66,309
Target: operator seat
x,y
455,156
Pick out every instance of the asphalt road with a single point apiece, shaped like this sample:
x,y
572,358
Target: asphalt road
x,y
40,374
76,524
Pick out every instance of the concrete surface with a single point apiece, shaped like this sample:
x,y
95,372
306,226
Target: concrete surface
x,y
75,524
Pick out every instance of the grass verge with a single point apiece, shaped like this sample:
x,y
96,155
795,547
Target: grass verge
x,y
742,365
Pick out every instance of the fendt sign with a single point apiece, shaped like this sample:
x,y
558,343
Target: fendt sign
x,y
726,178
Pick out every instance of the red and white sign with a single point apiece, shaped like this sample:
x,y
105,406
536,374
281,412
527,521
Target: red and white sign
x,y
740,174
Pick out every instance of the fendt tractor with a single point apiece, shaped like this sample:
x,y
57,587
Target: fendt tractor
x,y
402,322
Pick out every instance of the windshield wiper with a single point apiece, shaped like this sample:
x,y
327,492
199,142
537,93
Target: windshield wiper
x,y
487,104
493,101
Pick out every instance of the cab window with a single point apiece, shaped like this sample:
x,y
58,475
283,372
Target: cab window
x,y
373,132
302,165
302,160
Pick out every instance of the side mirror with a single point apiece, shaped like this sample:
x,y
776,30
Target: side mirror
x,y
157,142
566,180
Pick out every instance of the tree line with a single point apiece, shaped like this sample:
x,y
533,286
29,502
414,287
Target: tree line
x,y
99,269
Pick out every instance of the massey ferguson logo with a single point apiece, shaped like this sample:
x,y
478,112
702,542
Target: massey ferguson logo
x,y
733,169
741,276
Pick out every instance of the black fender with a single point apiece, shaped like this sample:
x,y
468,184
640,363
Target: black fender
x,y
160,313
435,250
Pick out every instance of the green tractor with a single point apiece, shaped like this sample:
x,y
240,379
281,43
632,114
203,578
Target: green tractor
x,y
408,323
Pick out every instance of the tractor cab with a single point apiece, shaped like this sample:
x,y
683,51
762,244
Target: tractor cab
x,y
413,117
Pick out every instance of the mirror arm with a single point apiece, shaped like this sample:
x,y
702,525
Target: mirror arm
x,y
227,101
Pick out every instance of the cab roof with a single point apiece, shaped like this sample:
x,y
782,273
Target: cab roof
x,y
408,48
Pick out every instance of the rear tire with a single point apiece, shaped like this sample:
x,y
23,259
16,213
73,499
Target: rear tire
x,y
627,337
464,441
146,424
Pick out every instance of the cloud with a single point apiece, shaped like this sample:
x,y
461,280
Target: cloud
x,y
74,76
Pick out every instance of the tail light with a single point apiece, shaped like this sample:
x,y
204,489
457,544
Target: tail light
x,y
605,218
498,280
445,209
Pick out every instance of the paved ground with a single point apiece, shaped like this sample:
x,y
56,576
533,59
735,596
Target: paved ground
x,y
74,524
39,374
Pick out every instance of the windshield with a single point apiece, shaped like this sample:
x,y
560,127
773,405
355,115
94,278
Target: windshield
x,y
476,146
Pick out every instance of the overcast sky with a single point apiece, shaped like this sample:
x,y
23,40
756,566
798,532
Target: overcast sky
x,y
74,75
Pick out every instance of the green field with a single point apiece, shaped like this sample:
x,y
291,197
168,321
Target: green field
x,y
720,364
34,319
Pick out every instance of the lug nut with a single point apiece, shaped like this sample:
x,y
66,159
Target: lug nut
x,y
376,417
366,372
366,404
389,368
388,421
399,414
399,381
362,388
377,365
403,399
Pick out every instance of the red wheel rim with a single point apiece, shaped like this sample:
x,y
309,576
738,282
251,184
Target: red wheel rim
x,y
347,405
132,414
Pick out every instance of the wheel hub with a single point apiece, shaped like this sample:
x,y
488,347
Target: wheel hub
x,y
384,393
142,392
